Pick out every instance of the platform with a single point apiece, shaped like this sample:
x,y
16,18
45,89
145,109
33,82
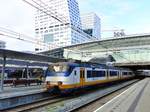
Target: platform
x,y
134,99
21,91
15,96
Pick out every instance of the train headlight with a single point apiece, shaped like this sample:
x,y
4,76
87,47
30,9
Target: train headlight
x,y
60,83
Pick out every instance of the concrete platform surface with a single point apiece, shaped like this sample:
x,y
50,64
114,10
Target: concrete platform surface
x,y
134,99
20,91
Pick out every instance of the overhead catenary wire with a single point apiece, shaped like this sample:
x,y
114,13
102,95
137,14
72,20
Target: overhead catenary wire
x,y
45,11
18,36
55,13
41,8
14,35
45,5
40,5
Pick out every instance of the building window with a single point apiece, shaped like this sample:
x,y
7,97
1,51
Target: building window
x,y
48,38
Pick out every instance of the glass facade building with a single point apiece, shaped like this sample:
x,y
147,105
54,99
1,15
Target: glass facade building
x,y
56,33
2,44
91,24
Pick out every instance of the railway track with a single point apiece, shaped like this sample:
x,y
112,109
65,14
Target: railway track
x,y
70,102
91,107
85,100
37,104
54,99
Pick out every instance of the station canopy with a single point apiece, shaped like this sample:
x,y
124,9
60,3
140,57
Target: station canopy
x,y
22,58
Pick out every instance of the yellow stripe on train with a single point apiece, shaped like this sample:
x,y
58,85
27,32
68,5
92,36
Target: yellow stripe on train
x,y
78,85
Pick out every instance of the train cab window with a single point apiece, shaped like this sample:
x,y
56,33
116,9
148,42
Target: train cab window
x,y
50,68
58,68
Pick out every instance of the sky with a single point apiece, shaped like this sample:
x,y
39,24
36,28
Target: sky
x,y
19,17
131,15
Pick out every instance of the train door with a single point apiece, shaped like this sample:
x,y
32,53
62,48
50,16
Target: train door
x,y
120,74
82,76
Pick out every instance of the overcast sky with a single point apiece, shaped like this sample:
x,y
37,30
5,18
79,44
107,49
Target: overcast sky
x,y
17,16
131,15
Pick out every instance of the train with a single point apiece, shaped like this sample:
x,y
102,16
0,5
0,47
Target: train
x,y
143,73
68,76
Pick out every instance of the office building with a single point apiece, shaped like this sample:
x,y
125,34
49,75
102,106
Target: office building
x,y
2,44
91,24
56,33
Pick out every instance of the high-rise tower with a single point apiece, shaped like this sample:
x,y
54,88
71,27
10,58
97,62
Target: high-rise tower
x,y
54,32
91,24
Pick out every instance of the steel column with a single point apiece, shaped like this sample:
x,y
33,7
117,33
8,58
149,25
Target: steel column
x,y
27,72
2,74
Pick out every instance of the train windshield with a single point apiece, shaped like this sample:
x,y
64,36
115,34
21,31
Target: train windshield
x,y
58,68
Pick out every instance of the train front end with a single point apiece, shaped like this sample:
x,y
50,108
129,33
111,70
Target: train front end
x,y
57,75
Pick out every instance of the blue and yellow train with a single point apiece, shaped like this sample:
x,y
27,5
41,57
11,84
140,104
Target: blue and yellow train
x,y
66,76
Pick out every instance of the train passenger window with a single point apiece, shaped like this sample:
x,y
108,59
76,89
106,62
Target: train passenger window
x,y
130,73
113,73
124,73
97,74
101,74
75,72
94,73
89,74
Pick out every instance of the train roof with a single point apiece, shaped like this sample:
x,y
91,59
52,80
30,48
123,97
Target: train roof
x,y
83,64
89,64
